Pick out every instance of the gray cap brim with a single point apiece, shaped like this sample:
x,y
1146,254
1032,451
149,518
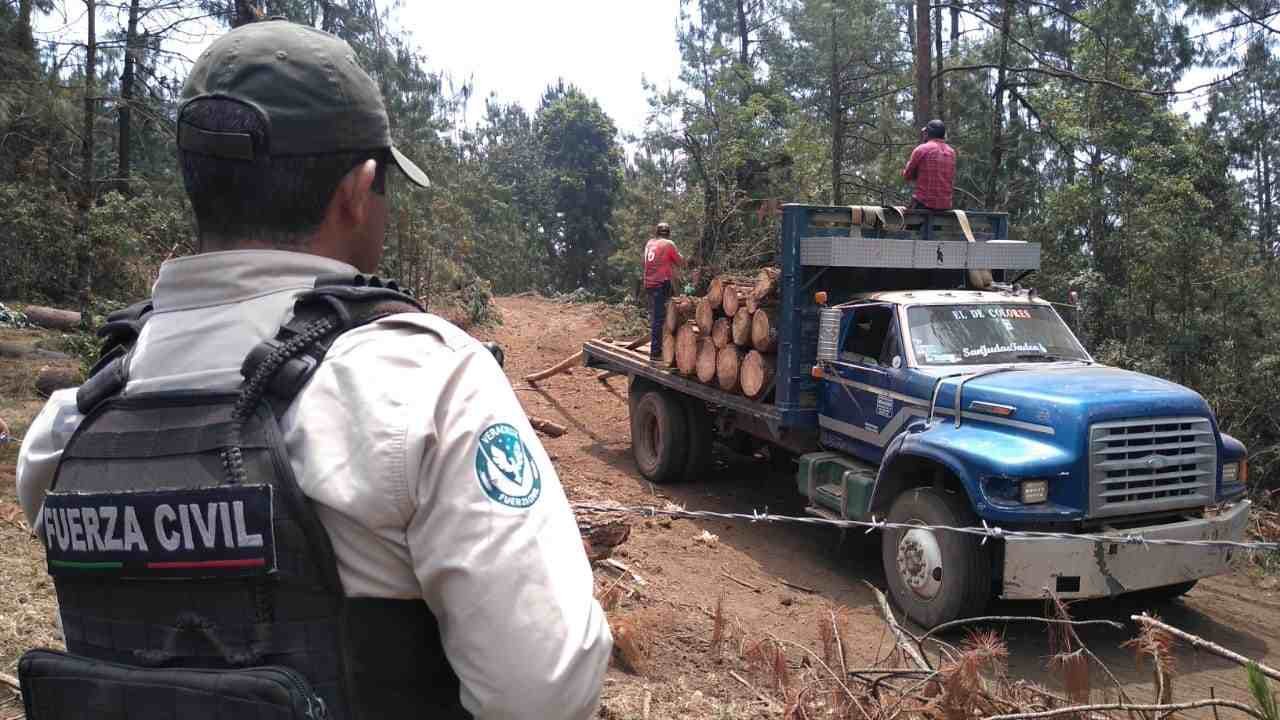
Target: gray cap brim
x,y
410,170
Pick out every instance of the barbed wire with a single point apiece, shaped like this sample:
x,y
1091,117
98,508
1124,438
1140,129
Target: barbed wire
x,y
986,531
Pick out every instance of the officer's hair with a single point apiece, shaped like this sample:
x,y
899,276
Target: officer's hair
x,y
279,201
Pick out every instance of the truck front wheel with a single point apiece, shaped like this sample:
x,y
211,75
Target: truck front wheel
x,y
935,575
660,435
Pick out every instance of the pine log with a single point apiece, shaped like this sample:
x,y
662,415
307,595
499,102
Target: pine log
x,y
687,348
705,314
728,365
734,295
742,328
766,283
756,374
565,364
679,309
551,429
52,318
722,332
764,330
715,292
55,377
707,360
18,350
669,349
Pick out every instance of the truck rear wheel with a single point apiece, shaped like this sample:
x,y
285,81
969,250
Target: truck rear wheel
x,y
935,575
660,435
701,439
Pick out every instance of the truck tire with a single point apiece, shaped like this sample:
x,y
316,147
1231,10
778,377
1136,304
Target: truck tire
x,y
701,439
660,435
935,575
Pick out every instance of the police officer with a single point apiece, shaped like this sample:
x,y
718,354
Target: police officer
x,y
407,439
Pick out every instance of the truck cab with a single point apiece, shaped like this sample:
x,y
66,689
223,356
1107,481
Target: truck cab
x,y
920,385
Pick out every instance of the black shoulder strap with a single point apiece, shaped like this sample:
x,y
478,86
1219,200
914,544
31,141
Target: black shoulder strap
x,y
110,373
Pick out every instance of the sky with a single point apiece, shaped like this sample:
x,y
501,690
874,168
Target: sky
x,y
516,48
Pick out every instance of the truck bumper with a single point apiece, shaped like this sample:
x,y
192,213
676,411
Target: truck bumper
x,y
1085,569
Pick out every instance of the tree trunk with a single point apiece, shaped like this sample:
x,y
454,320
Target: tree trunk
x,y
744,34
756,374
687,348
997,108
22,37
52,318
132,50
706,365
955,54
764,330
940,104
722,332
84,251
742,328
924,65
837,117
705,314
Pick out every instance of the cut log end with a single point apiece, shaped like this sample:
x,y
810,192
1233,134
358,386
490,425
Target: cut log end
x,y
705,315
742,328
706,365
756,374
722,332
669,349
733,299
728,365
766,284
764,330
53,378
687,348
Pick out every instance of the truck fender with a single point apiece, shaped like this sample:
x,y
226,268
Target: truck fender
x,y
901,467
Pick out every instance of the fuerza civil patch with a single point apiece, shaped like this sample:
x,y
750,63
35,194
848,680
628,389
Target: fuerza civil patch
x,y
223,531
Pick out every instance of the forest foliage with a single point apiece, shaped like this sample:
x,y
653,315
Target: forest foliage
x,y
1074,116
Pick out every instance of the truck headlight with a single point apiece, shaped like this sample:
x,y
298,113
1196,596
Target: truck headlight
x,y
1236,472
1034,491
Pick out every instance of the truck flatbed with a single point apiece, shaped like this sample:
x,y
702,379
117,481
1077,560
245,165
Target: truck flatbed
x,y
601,354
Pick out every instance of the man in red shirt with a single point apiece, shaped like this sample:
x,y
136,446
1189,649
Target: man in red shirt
x,y
660,259
932,168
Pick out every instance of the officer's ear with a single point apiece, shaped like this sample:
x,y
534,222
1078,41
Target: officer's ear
x,y
355,193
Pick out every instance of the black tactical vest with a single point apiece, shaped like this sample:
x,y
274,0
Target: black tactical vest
x,y
178,536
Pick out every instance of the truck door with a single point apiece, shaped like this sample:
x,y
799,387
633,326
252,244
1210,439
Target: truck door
x,y
858,406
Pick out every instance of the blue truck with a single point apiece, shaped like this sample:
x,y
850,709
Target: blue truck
x,y
918,383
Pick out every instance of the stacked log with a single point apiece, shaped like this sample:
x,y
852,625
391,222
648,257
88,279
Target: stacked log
x,y
706,364
764,330
679,309
687,348
722,332
728,337
756,374
728,365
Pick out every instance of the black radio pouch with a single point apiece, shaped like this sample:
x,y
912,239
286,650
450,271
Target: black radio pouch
x,y
59,686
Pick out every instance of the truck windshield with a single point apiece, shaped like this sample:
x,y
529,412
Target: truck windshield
x,y
987,334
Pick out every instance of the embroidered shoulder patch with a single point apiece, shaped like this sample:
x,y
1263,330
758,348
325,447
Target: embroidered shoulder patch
x,y
505,469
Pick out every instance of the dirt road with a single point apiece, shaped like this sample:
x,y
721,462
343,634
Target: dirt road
x,y
682,578
685,577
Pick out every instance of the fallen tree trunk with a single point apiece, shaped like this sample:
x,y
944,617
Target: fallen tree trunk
x,y
764,330
54,378
756,374
742,328
705,315
669,349
16,350
52,318
728,364
722,332
551,429
706,365
679,309
687,348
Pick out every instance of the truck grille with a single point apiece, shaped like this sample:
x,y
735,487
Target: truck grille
x,y
1151,464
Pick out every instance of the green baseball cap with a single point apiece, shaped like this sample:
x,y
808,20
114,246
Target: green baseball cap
x,y
306,86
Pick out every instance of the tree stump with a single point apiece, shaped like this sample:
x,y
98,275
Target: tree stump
x,y
764,330
687,348
722,332
706,365
756,374
728,365
742,328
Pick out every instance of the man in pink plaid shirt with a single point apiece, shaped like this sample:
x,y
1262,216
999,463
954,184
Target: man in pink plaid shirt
x,y
932,168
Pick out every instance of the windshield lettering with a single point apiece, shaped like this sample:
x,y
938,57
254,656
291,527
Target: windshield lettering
x,y
987,334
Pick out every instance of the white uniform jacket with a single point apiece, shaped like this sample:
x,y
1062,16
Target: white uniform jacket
x,y
405,439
